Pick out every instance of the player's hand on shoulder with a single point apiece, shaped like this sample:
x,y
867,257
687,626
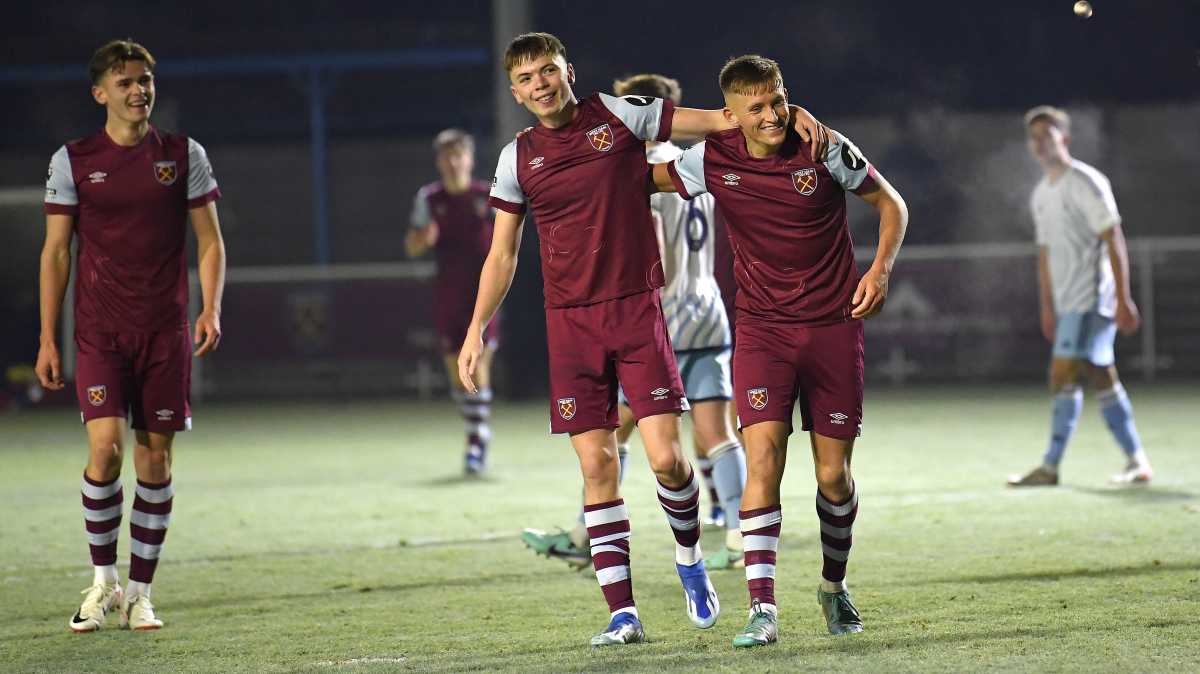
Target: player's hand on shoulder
x,y
811,131
208,332
1128,318
870,294
49,367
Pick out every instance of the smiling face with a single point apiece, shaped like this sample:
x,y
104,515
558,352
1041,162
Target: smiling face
x,y
127,92
543,85
762,117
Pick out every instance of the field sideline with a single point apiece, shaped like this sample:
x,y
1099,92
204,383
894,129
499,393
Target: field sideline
x,y
325,538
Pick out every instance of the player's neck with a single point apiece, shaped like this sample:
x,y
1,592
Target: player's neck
x,y
126,134
563,117
760,150
1055,169
456,184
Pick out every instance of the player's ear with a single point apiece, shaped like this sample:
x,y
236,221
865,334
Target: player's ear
x,y
99,95
516,96
729,116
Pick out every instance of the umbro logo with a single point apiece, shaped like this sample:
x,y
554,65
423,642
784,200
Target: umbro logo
x,y
838,418
732,179
660,393
164,415
536,162
97,177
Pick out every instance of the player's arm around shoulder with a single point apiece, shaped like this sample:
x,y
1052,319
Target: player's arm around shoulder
x,y
55,272
494,281
210,254
865,181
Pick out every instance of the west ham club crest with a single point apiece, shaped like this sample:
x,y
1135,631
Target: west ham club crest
x,y
758,397
805,181
566,408
601,138
165,173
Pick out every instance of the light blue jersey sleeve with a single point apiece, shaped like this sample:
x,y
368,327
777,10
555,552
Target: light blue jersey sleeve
x,y
687,172
642,115
506,193
846,163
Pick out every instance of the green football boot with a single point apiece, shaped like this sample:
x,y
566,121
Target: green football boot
x,y
559,545
840,615
725,559
762,629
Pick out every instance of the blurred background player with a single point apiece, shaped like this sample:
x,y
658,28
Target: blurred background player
x,y
1084,296
127,192
453,217
581,171
699,330
800,308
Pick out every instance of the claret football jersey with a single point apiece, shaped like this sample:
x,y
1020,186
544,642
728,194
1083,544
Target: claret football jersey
x,y
585,185
786,215
130,206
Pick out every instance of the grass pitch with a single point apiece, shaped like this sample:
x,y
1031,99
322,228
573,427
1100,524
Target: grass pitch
x,y
325,538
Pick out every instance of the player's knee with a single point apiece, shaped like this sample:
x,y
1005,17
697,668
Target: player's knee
x,y
833,478
669,467
1102,378
599,467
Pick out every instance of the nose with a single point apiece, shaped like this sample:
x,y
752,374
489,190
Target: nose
x,y
772,115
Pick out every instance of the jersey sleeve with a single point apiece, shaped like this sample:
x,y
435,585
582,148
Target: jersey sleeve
x,y
687,171
506,193
848,166
420,217
202,186
647,118
1093,195
61,196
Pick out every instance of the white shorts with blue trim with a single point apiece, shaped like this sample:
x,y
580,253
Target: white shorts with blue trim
x,y
1086,336
705,374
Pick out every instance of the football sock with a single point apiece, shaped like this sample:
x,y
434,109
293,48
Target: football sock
x,y
682,507
1066,408
760,538
476,409
729,476
148,522
837,523
133,589
705,464
1118,414
102,503
608,530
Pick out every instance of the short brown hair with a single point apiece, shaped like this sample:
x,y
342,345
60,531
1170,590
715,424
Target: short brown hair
x,y
453,139
750,74
649,84
113,54
530,46
1056,117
